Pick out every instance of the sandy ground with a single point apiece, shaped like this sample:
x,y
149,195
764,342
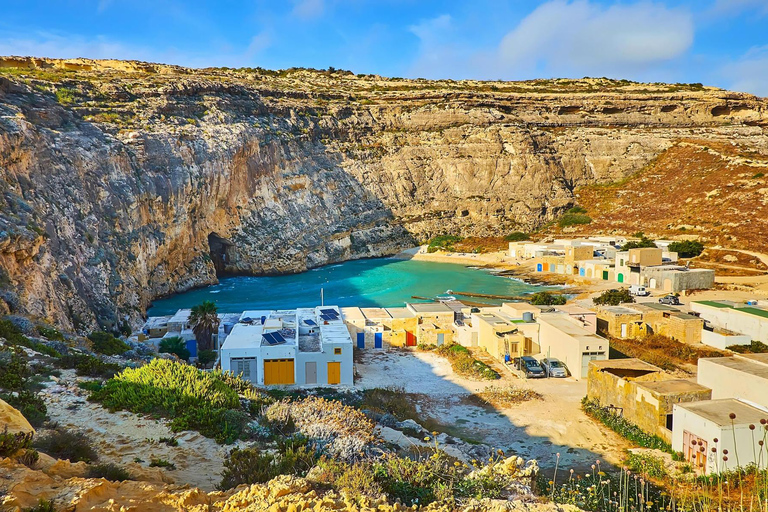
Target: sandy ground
x,y
536,429
122,437
462,258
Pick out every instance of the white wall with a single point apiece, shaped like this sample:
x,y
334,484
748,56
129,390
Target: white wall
x,y
728,382
745,444
734,320
721,341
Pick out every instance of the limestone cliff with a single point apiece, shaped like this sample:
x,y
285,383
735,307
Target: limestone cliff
x,y
124,181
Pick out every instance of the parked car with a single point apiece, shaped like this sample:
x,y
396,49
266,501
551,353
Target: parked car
x,y
553,367
530,367
639,290
669,299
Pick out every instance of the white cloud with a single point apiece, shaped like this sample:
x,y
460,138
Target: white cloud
x,y
308,9
722,7
749,73
258,44
562,38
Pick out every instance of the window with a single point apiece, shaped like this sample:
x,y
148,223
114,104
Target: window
x,y
337,351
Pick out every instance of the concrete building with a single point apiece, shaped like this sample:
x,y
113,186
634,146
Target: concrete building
x,y
562,337
735,317
675,278
405,326
723,338
670,321
741,376
434,312
500,335
641,393
154,327
621,321
699,424
308,346
584,318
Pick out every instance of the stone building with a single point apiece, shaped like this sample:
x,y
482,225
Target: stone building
x,y
641,393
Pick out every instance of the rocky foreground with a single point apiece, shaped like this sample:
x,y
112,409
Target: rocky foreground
x,y
125,181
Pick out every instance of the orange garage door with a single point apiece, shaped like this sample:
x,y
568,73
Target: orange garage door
x,y
278,371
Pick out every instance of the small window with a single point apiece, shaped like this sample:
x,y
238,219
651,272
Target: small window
x,y
337,351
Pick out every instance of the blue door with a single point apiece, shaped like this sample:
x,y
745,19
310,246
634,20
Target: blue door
x,y
538,267
440,339
378,341
192,347
582,272
361,340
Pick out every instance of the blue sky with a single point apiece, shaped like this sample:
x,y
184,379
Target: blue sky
x,y
716,42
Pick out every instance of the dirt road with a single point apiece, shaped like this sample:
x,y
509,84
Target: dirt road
x,y
537,429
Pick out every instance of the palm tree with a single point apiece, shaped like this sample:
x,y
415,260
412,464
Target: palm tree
x,y
204,322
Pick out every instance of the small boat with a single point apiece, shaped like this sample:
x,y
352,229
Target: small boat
x,y
445,298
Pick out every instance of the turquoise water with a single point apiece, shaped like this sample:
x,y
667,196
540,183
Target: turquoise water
x,y
382,282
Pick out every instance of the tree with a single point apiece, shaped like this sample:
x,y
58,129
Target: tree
x,y
517,236
205,322
105,343
687,248
174,345
547,299
639,244
206,357
613,297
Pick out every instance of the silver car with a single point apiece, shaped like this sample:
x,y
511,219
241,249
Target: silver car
x,y
554,367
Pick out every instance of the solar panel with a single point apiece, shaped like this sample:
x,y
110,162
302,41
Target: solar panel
x,y
310,322
329,312
273,338
328,318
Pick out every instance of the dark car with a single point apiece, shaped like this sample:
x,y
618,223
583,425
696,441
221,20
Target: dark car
x,y
554,367
670,300
530,367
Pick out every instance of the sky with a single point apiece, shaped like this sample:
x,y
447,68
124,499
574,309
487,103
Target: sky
x,y
716,42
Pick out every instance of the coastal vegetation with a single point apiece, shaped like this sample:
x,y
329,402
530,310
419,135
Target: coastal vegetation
x,y
546,299
614,297
174,345
443,243
105,343
205,322
574,217
462,361
643,242
687,248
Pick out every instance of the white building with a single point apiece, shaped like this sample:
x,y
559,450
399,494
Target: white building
x,y
308,346
739,400
751,320
571,339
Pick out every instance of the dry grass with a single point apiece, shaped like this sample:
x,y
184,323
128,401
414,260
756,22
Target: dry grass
x,y
507,396
664,352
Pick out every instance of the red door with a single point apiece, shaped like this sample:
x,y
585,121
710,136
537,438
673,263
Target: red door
x,y
410,339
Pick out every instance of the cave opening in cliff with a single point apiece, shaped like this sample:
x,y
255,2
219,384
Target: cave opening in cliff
x,y
222,253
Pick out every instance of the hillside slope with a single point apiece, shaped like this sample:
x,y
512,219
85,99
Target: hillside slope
x,y
125,181
706,189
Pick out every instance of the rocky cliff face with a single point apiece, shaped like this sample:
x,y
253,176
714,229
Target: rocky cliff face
x,y
124,181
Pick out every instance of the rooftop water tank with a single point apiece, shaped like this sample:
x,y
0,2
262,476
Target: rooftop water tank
x,y
527,316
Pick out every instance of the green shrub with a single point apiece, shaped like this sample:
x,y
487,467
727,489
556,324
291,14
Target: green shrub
x,y
206,357
30,405
643,243
247,466
756,347
647,464
613,297
547,299
296,456
192,399
29,458
10,443
14,371
105,343
517,236
464,364
90,385
162,463
109,471
687,248
88,366
42,506
170,441
14,336
174,345
66,96
443,243
50,333
63,444
574,219
624,428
